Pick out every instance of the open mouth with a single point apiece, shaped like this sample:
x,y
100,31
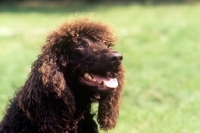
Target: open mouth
x,y
103,83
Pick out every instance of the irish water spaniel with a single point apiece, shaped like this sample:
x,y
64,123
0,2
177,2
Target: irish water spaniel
x,y
76,68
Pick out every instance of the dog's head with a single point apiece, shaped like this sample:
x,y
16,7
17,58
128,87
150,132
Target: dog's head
x,y
94,64
80,52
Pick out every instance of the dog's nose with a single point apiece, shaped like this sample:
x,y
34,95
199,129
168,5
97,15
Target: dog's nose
x,y
115,57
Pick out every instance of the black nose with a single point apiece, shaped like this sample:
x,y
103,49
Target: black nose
x,y
115,57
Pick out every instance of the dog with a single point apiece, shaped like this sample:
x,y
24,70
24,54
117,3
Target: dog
x,y
76,68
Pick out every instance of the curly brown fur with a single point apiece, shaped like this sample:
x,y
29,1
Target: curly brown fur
x,y
58,94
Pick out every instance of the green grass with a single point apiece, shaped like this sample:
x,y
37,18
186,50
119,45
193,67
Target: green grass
x,y
160,45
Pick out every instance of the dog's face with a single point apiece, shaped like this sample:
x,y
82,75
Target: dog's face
x,y
95,64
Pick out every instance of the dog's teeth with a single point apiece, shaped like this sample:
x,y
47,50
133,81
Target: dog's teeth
x,y
102,84
93,79
87,75
90,78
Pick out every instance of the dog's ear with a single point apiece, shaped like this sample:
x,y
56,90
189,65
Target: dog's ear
x,y
45,86
51,75
108,110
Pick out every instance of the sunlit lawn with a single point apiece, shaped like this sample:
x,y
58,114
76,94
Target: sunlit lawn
x,y
161,48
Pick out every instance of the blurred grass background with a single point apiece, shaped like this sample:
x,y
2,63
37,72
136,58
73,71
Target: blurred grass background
x,y
160,45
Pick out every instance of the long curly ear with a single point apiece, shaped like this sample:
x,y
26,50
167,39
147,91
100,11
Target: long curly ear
x,y
51,75
45,98
108,111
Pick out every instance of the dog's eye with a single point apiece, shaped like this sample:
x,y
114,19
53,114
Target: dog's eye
x,y
107,44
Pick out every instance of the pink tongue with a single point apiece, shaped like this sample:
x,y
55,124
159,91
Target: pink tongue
x,y
109,82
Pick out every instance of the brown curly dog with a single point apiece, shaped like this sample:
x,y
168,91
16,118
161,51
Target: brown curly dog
x,y
76,68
